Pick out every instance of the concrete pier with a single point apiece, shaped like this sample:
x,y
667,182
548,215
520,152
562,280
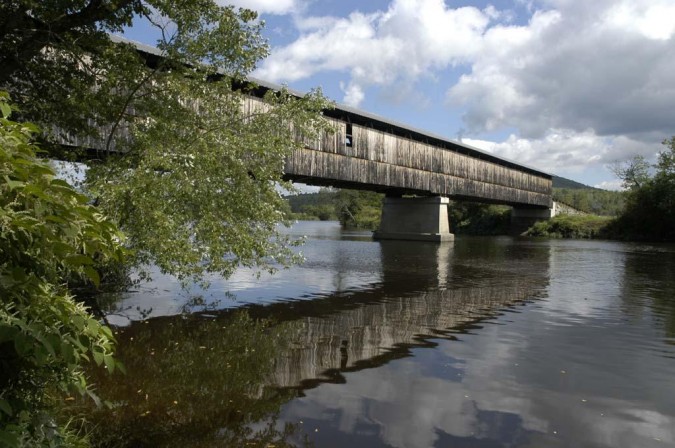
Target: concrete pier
x,y
418,219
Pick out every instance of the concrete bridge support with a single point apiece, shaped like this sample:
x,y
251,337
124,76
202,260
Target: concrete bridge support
x,y
419,219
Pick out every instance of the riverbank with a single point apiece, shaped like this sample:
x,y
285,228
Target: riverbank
x,y
573,226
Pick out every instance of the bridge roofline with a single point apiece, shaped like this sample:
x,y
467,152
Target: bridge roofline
x,y
367,119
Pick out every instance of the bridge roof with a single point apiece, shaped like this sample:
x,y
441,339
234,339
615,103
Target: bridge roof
x,y
367,119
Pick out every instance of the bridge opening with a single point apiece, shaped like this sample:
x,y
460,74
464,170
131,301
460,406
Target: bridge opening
x,y
349,139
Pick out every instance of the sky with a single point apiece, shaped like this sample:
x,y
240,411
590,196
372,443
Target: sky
x,y
566,86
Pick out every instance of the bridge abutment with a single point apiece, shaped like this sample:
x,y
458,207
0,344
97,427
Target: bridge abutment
x,y
417,219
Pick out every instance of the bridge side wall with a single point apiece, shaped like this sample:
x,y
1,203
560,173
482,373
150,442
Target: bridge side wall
x,y
388,161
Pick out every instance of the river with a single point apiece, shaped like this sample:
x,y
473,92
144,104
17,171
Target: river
x,y
484,342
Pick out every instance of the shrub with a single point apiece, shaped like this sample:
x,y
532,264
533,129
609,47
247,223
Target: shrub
x,y
48,232
571,226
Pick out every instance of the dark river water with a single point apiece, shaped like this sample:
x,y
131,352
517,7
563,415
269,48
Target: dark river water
x,y
484,342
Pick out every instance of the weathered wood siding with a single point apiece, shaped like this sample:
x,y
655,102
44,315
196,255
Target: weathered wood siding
x,y
384,160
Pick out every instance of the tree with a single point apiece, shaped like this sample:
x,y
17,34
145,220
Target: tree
x,y
358,209
650,204
194,184
48,232
633,173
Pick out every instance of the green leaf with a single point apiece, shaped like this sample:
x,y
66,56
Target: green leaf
x,y
62,183
93,326
22,345
9,439
68,352
5,407
107,332
5,109
13,184
109,363
92,275
98,357
78,322
78,260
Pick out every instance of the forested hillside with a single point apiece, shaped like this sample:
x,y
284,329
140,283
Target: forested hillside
x,y
591,200
561,182
362,208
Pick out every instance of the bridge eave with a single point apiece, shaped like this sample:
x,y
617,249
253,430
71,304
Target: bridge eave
x,y
544,201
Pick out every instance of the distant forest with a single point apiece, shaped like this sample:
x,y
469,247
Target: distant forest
x,y
361,209
587,199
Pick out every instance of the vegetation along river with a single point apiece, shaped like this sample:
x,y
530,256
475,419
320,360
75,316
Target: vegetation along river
x,y
484,342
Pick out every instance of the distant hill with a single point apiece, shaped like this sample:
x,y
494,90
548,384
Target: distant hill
x,y
561,182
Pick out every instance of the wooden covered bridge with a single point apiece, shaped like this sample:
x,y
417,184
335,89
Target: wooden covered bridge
x,y
372,153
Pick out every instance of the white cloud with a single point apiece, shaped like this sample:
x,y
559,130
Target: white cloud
x,y
578,66
581,83
353,94
565,151
613,185
652,19
266,6
413,38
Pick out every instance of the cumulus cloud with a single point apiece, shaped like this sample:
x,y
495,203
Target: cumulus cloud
x,y
353,94
411,39
578,66
565,150
581,83
266,6
613,185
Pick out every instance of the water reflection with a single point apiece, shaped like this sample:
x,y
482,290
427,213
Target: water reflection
x,y
577,369
485,342
195,382
217,373
648,289
424,294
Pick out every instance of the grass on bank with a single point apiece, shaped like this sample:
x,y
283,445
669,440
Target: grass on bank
x,y
572,226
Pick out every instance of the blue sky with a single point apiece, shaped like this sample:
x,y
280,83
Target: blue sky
x,y
567,86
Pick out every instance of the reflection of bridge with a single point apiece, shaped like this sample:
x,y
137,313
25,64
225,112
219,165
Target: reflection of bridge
x,y
423,291
428,297
369,152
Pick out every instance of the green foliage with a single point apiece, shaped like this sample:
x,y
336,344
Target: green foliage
x,y
571,226
358,209
194,182
48,232
591,200
472,218
650,202
53,52
193,382
313,206
352,208
634,173
561,182
201,197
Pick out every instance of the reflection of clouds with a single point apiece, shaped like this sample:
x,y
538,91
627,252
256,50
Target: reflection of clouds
x,y
571,370
332,265
591,272
411,409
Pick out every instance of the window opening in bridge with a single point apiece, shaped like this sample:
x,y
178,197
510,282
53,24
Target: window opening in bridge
x,y
349,140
